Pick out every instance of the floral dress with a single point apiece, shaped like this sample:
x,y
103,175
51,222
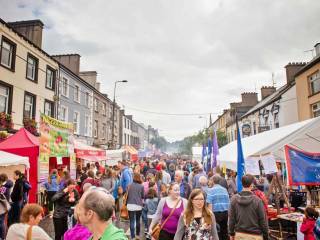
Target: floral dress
x,y
198,230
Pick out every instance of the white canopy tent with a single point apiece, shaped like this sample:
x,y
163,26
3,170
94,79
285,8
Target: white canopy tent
x,y
302,135
10,162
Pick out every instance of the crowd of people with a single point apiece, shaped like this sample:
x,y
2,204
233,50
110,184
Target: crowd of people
x,y
168,198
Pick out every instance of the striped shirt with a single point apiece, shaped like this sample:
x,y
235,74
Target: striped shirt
x,y
219,198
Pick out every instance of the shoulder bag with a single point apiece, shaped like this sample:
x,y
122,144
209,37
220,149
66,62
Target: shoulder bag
x,y
29,233
4,204
157,228
124,214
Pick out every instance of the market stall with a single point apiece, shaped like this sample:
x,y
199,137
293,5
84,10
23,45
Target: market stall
x,y
10,162
23,143
132,152
115,156
302,135
89,153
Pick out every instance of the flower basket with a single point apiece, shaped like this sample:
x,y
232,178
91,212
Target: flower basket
x,y
31,125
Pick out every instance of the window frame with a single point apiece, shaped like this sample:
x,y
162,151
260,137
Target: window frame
x,y
87,99
13,59
86,125
34,105
96,106
53,79
76,131
66,115
313,111
314,80
104,109
10,87
76,86
52,107
62,87
96,124
35,80
104,130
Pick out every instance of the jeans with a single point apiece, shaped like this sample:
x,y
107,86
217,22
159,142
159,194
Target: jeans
x,y
14,213
60,227
222,220
134,218
2,226
145,218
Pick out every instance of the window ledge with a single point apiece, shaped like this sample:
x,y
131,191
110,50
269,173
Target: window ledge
x,y
8,68
314,94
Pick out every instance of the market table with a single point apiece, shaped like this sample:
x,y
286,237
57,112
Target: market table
x,y
294,217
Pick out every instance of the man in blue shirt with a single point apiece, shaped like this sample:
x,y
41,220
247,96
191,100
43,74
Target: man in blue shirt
x,y
185,189
218,199
126,176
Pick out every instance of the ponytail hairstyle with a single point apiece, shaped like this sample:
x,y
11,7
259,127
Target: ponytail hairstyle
x,y
310,212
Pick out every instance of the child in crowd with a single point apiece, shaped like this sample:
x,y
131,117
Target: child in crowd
x,y
151,205
308,223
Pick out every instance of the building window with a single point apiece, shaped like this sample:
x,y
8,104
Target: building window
x,y
104,109
50,78
87,99
29,105
65,87
48,108
254,128
32,68
76,96
125,139
104,127
5,98
316,109
63,113
315,82
8,53
86,125
76,122
96,105
95,129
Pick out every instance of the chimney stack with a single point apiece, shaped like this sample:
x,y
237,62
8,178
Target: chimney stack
x,y
91,78
292,69
267,91
31,29
249,99
71,61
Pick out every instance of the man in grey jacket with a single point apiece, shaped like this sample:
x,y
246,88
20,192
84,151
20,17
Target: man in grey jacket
x,y
246,213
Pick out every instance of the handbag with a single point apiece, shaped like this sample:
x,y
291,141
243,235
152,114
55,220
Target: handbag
x,y
4,204
124,214
157,228
247,236
29,233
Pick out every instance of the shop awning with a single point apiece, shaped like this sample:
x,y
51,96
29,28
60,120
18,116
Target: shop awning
x,y
131,150
89,153
302,135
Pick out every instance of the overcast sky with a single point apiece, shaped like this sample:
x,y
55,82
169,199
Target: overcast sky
x,y
179,56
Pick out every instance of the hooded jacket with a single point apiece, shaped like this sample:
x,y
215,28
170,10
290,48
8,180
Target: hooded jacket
x,y
247,215
307,227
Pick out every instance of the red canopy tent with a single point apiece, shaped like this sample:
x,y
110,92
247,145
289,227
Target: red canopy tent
x,y
25,144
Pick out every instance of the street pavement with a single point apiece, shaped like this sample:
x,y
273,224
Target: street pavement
x,y
47,225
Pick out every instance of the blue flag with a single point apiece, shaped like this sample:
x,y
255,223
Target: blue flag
x,y
240,162
303,167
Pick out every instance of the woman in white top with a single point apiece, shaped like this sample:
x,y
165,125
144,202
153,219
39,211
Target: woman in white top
x,y
28,229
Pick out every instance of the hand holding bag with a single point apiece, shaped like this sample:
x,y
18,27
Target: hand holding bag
x,y
157,228
124,214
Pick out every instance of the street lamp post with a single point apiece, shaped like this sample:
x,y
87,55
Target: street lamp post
x,y
113,109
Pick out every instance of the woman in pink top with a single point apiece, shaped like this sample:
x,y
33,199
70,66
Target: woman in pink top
x,y
166,205
150,182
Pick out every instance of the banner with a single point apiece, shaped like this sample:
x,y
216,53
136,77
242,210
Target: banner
x,y
252,165
269,164
303,167
56,140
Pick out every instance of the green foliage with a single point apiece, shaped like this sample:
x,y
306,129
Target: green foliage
x,y
185,146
